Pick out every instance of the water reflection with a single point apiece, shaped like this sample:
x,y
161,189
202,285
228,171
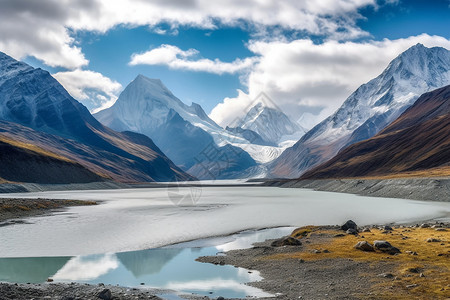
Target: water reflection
x,y
87,267
165,268
147,262
29,269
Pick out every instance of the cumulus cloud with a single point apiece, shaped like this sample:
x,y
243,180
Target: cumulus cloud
x,y
303,77
42,28
175,58
37,28
91,88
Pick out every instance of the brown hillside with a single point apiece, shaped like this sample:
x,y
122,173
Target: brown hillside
x,y
419,140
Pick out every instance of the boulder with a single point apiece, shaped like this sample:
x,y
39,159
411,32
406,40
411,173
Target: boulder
x,y
364,246
386,247
286,241
349,224
388,228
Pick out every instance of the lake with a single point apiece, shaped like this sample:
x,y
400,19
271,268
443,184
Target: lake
x,y
137,219
151,236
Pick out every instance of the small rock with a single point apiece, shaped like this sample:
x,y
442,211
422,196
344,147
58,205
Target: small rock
x,y
421,275
105,294
366,230
411,252
286,241
339,235
326,251
433,240
349,224
220,298
386,275
364,246
385,246
387,227
414,270
352,231
441,229
424,225
49,280
410,286
316,251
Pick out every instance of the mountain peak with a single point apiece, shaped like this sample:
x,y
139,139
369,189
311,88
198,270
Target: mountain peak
x,y
270,123
10,67
154,82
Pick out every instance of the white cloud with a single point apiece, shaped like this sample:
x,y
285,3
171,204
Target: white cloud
x,y
301,76
91,88
42,28
37,28
175,58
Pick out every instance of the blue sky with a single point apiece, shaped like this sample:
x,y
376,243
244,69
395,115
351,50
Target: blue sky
x,y
90,47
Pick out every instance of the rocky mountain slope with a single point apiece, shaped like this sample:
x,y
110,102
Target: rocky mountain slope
x,y
419,140
36,109
369,109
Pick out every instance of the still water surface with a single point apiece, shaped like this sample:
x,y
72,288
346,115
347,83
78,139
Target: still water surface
x,y
138,219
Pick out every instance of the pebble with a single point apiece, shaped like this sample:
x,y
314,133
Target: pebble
x,y
433,240
386,275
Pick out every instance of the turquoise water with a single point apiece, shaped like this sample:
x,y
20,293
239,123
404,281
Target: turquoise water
x,y
172,268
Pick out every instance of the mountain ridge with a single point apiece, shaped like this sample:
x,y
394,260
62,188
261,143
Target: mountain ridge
x,y
369,109
34,107
418,140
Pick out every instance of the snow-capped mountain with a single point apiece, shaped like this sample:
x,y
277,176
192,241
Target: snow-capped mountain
x,y
270,123
369,109
35,109
185,133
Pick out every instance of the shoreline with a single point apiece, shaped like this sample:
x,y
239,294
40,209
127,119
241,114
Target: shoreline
x,y
18,210
315,269
422,189
326,265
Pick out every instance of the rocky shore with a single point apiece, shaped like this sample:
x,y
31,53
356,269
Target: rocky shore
x,y
314,262
424,189
72,291
333,262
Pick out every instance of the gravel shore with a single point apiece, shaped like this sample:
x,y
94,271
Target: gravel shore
x,y
12,211
72,291
424,189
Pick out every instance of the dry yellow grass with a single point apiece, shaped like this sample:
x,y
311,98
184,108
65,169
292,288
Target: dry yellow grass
x,y
33,148
432,259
